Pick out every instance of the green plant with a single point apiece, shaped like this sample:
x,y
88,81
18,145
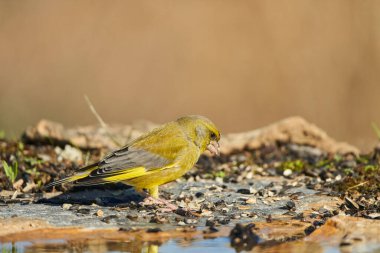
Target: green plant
x,y
33,172
11,171
295,165
33,161
221,174
370,168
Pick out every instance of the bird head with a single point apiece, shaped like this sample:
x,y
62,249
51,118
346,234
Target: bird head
x,y
202,132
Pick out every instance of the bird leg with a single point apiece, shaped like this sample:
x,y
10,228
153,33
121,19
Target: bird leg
x,y
152,198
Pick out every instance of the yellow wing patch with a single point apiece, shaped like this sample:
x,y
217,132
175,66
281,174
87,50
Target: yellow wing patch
x,y
131,173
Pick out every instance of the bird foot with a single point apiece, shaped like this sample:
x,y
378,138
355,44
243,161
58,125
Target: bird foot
x,y
168,207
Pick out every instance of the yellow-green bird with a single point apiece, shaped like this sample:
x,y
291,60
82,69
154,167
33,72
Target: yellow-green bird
x,y
155,158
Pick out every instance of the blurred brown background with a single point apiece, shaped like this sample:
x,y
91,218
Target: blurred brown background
x,y
244,64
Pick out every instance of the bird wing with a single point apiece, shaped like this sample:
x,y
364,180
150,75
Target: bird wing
x,y
147,154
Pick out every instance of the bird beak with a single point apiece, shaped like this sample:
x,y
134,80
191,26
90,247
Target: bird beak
x,y
213,147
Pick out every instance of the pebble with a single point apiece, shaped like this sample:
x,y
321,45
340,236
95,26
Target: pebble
x,y
158,219
309,230
351,204
191,221
210,222
235,216
374,215
153,230
107,219
251,201
132,217
199,194
290,205
244,191
287,172
99,213
66,206
318,223
223,221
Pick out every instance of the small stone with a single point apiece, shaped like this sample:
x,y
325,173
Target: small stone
x,y
181,223
66,206
132,217
99,213
191,221
287,172
251,201
69,153
224,221
351,204
309,230
158,219
235,216
210,222
153,230
107,219
219,180
199,194
206,212
244,191
374,215
318,223
249,175
290,205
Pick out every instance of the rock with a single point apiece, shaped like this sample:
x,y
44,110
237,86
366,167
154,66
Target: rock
x,y
99,213
351,204
66,206
251,201
290,205
87,137
69,153
153,230
287,172
20,224
374,215
295,130
244,191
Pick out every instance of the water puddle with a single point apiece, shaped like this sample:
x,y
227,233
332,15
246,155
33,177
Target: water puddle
x,y
219,245
338,234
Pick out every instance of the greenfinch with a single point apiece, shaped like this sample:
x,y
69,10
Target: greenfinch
x,y
155,158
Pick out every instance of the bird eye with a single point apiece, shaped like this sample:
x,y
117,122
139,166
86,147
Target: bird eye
x,y
213,135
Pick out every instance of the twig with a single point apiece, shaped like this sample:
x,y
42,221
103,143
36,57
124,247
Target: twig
x,y
101,122
355,186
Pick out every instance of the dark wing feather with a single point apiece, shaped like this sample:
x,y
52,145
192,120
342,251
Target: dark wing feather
x,y
128,157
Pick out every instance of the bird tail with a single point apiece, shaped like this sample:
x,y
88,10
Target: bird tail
x,y
83,173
